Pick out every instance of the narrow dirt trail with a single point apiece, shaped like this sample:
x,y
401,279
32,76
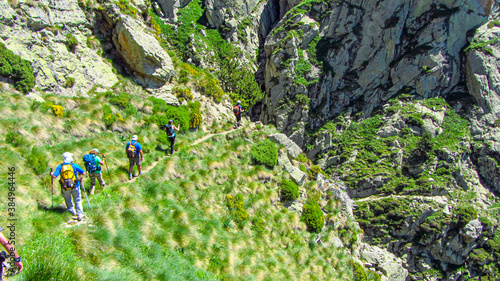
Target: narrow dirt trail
x,y
200,140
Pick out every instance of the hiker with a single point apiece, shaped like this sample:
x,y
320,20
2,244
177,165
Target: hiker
x,y
11,250
134,154
237,112
70,185
93,165
169,129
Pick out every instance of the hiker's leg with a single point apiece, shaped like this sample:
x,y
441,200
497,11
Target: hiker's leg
x,y
77,195
172,143
139,164
100,179
92,180
131,165
238,118
69,202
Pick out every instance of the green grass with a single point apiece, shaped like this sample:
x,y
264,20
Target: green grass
x,y
172,223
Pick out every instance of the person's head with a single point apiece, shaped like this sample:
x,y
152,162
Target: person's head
x,y
238,102
67,157
94,151
135,137
170,121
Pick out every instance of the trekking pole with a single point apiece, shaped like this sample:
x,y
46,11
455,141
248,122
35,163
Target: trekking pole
x,y
83,188
52,183
107,169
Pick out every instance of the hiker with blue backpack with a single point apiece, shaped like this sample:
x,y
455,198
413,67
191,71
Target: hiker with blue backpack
x,y
170,130
134,154
70,184
93,165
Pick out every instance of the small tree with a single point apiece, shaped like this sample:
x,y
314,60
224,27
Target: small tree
x,y
289,190
313,216
265,152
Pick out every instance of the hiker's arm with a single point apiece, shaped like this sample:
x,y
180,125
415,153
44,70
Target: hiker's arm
x,y
142,156
10,248
56,172
178,127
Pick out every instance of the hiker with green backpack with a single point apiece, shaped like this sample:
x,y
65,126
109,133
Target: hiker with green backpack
x,y
70,184
133,150
93,163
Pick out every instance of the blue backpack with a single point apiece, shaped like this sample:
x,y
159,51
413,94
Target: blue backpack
x,y
89,162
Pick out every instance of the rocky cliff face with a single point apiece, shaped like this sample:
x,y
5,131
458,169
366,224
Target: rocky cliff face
x,y
74,48
343,54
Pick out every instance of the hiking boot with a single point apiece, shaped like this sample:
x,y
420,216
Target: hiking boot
x,y
80,218
130,177
91,191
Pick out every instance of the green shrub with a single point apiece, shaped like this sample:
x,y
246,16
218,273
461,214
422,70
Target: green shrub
x,y
195,114
131,110
122,100
70,82
315,169
265,152
464,214
15,139
312,216
235,206
37,160
359,271
258,224
180,116
108,117
158,104
71,42
289,190
17,69
183,93
493,23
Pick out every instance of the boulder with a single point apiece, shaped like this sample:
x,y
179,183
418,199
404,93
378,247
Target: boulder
x,y
151,64
295,173
291,147
383,261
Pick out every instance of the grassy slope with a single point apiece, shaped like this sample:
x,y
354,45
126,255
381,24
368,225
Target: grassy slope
x,y
172,223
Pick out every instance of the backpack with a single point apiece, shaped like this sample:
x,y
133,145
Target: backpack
x,y
89,162
236,109
68,178
131,150
170,130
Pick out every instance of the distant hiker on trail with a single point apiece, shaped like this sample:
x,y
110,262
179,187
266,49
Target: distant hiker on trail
x,y
134,154
237,112
93,165
70,185
169,129
10,257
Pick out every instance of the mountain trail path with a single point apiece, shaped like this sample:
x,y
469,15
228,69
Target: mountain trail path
x,y
202,139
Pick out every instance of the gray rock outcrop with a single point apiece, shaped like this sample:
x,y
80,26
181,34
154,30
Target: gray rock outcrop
x,y
151,64
291,147
366,52
37,32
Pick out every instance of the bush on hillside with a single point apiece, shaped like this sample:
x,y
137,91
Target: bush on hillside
x,y
265,152
312,216
37,160
289,190
359,271
315,169
17,69
121,101
71,42
108,117
182,93
15,139
464,214
180,116
57,110
195,114
235,206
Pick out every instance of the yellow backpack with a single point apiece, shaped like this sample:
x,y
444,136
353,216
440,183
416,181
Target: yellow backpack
x,y
68,178
131,150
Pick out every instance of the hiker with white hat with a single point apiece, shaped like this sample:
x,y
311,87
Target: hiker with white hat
x,y
93,164
70,184
134,154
